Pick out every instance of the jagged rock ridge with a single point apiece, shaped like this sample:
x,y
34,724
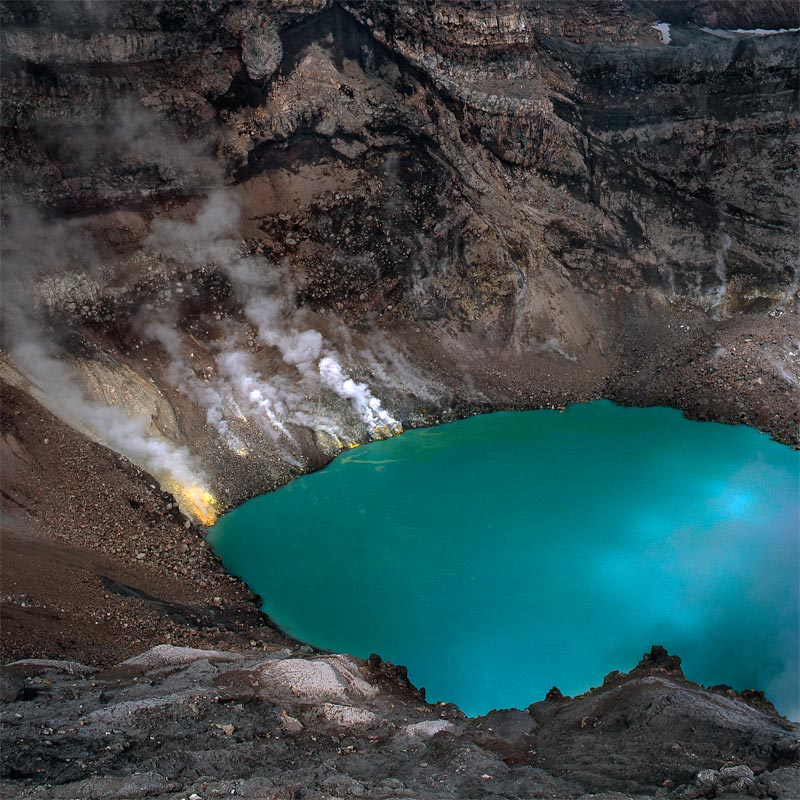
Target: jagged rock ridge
x,y
272,725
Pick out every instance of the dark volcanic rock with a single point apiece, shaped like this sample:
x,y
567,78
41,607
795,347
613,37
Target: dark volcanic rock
x,y
180,721
659,660
659,153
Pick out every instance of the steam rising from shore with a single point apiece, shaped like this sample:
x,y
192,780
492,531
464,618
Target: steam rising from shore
x,y
232,388
32,247
380,423
171,464
181,375
265,293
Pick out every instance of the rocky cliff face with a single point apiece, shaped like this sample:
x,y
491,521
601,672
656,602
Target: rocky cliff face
x,y
536,187
568,126
230,229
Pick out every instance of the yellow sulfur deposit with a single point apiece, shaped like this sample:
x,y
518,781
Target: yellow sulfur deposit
x,y
378,432
387,431
197,502
344,445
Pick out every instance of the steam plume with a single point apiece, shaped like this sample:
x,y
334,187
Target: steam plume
x,y
379,422
33,247
173,466
212,398
266,296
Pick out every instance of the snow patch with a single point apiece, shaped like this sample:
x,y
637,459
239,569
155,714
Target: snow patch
x,y
727,33
663,29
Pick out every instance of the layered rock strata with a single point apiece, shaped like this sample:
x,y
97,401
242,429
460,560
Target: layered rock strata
x,y
517,206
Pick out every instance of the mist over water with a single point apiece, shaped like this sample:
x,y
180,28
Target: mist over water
x,y
498,556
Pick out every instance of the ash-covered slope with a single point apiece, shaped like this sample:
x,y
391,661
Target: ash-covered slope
x,y
179,721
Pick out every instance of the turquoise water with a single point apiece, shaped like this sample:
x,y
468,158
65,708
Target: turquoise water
x,y
500,555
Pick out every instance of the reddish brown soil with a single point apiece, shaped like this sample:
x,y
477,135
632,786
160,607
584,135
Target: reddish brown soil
x,y
94,565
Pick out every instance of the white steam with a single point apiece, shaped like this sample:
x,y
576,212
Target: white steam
x,y
720,268
554,345
378,421
266,295
214,399
261,397
33,249
172,465
231,390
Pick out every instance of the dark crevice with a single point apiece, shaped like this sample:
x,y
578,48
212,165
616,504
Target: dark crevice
x,y
243,92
